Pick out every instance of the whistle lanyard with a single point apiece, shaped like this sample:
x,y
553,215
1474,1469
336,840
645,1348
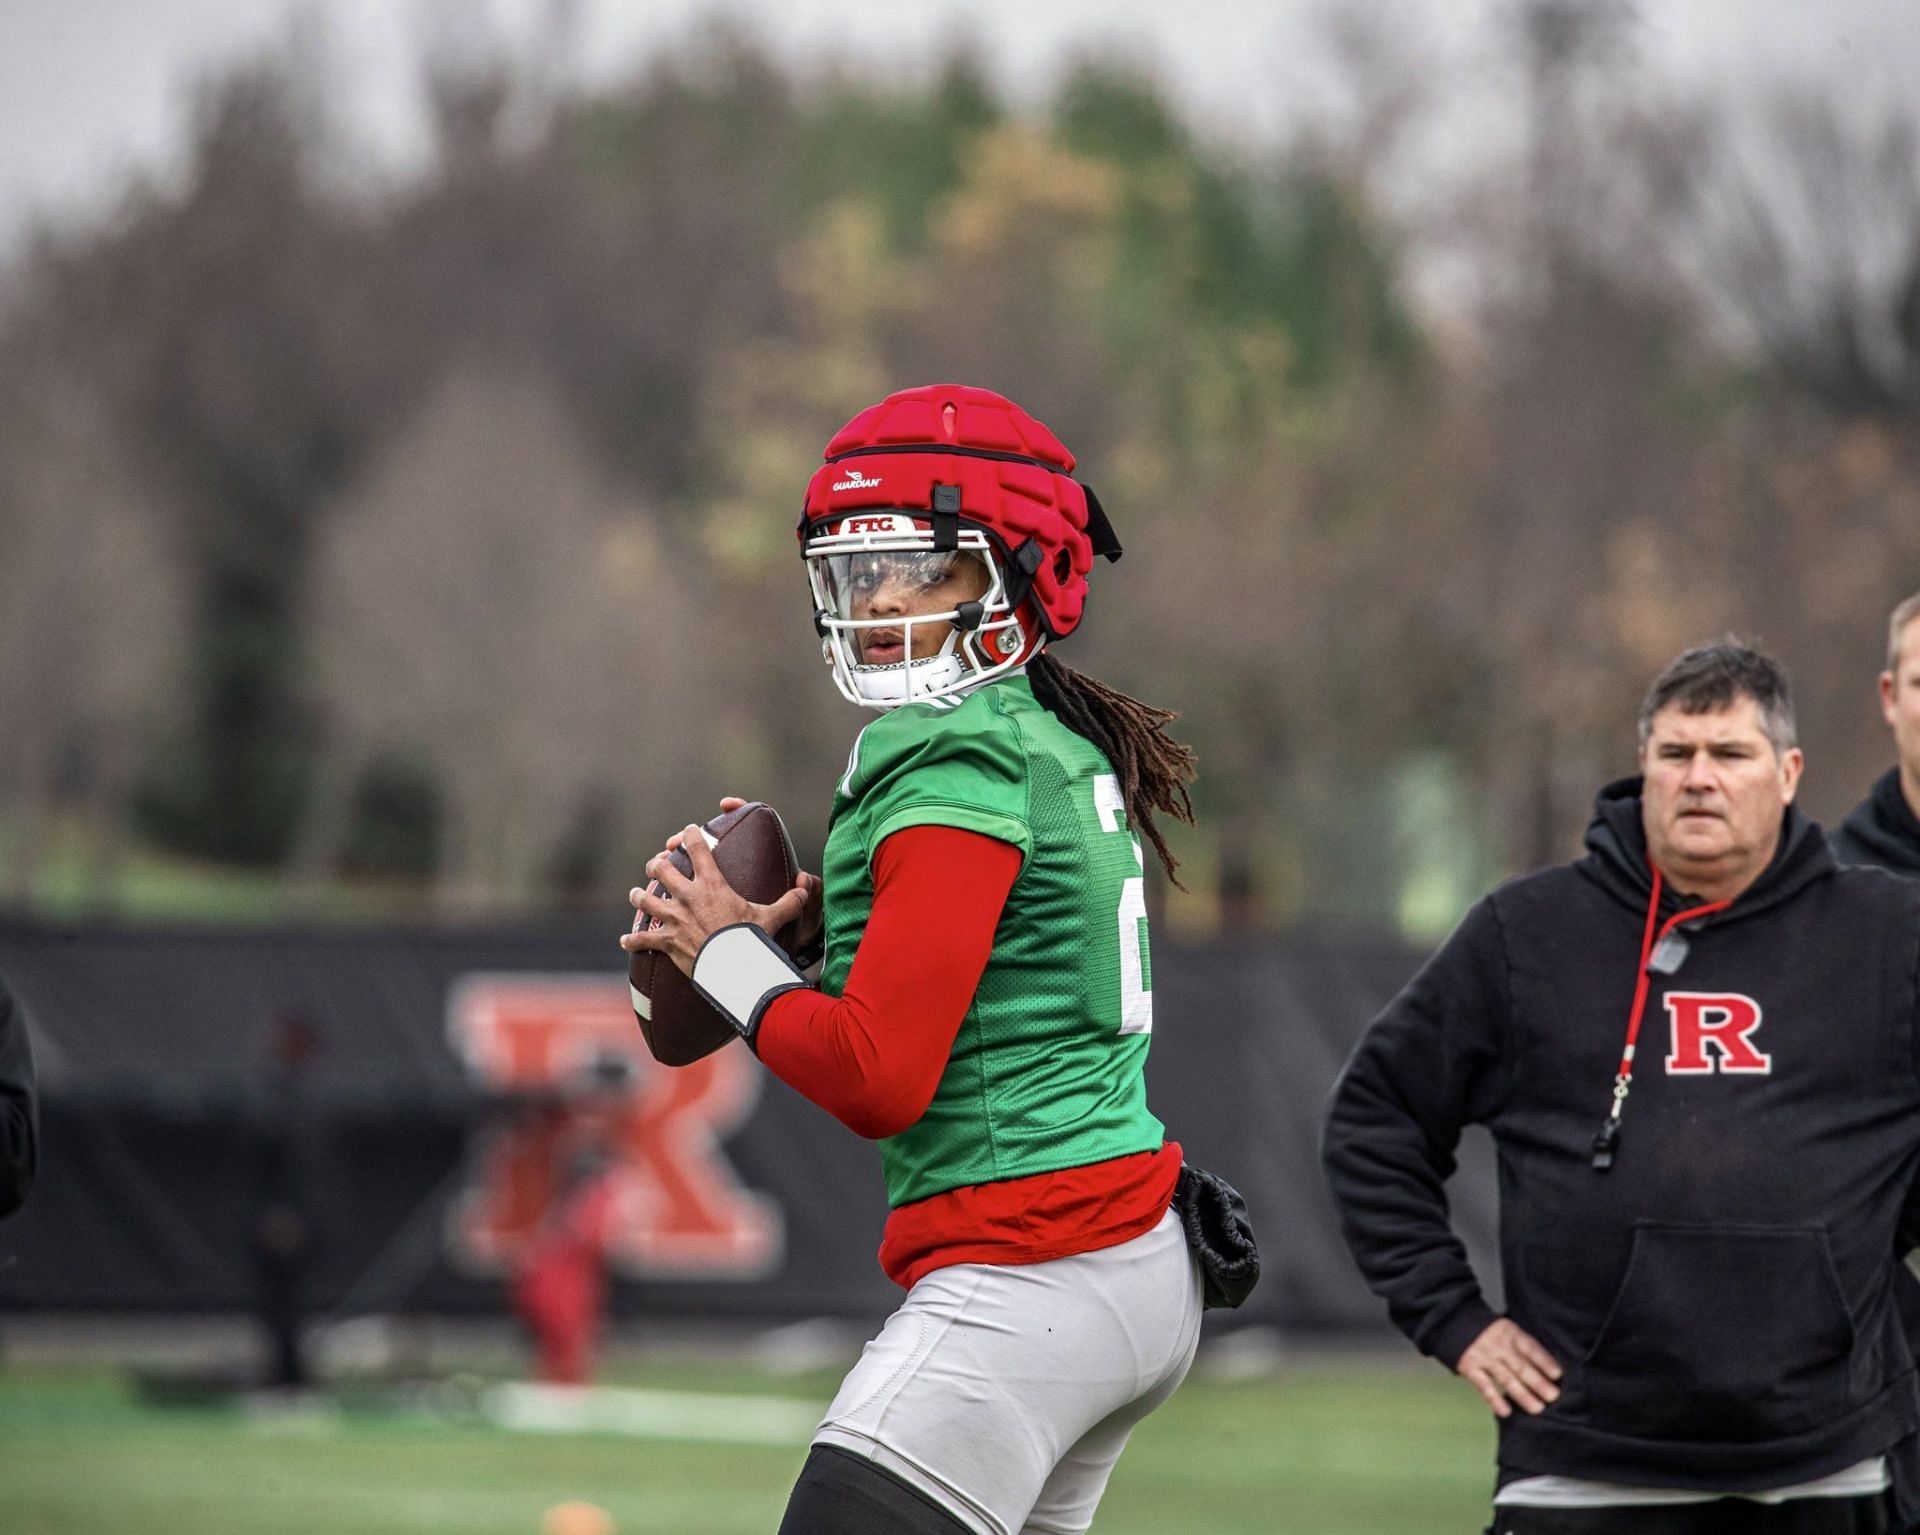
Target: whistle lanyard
x,y
1607,1142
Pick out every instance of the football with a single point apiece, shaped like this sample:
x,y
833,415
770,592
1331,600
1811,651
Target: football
x,y
753,851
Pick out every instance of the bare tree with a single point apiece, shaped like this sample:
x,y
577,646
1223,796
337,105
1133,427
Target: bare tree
x,y
1798,221
96,611
485,606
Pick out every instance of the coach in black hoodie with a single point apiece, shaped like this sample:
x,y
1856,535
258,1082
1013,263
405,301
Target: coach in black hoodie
x,y
1884,828
1696,1050
19,1114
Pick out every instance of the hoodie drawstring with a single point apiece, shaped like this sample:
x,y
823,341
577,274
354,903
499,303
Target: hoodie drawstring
x,y
1607,1142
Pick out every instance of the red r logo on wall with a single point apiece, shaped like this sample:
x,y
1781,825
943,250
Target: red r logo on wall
x,y
567,1048
1720,1023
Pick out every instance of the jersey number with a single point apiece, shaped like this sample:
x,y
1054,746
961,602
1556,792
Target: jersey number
x,y
1136,995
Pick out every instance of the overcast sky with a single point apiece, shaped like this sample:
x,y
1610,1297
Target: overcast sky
x,y
91,88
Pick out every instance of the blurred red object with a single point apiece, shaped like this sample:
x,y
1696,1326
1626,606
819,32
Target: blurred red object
x,y
560,1285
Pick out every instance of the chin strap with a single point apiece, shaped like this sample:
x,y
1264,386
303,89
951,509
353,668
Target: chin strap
x,y
740,970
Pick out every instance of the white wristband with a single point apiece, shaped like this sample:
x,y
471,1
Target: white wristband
x,y
740,970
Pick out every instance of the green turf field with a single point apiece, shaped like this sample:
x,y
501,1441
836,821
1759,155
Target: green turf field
x,y
1321,1449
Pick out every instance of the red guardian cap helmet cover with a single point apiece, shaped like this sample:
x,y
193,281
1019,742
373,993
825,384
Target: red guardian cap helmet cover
x,y
948,471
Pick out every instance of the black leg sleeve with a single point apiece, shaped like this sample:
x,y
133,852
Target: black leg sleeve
x,y
840,1493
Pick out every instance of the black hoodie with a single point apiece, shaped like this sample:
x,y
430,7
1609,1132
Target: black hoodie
x,y
1723,1297
19,1119
1882,831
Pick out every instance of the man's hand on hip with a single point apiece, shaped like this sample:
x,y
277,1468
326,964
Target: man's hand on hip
x,y
1510,1368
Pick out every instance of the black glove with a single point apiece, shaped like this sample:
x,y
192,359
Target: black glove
x,y
1214,1217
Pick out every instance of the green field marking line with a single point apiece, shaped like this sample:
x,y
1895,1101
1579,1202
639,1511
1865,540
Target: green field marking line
x,y
679,1415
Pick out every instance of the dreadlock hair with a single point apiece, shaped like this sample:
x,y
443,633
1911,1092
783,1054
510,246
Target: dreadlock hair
x,y
1153,768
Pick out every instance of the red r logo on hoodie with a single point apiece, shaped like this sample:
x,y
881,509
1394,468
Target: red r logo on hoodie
x,y
1713,1031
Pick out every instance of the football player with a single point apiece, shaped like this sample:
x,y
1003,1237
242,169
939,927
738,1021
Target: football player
x,y
985,1003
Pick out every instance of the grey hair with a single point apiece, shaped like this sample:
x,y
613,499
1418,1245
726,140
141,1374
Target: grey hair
x,y
1711,677
1903,615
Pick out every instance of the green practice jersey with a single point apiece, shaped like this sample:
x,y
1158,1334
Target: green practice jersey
x,y
1048,1070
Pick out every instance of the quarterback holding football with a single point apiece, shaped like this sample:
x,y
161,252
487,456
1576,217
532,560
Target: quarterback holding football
x,y
984,1003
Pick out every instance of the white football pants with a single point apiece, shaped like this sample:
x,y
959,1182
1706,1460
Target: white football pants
x,y
1005,1393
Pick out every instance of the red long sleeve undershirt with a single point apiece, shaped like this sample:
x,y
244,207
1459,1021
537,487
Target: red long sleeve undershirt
x,y
872,1057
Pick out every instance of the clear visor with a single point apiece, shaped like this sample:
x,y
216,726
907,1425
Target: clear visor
x,y
889,616
881,584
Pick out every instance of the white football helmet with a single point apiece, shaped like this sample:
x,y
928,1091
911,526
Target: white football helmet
x,y
866,563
